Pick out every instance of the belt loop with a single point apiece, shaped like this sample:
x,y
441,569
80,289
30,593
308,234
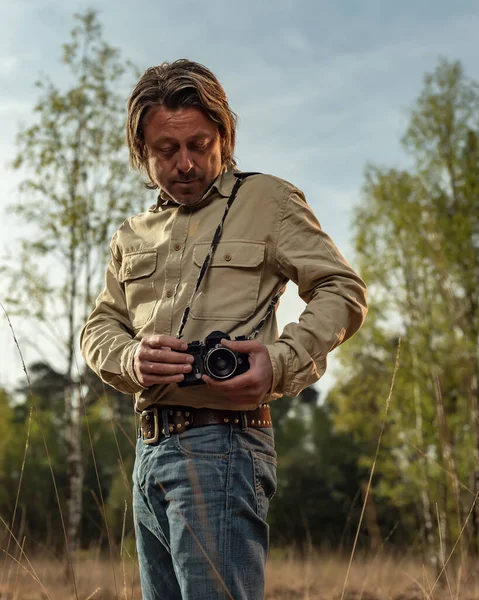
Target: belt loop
x,y
244,421
166,425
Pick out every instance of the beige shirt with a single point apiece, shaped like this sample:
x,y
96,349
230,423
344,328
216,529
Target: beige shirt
x,y
270,233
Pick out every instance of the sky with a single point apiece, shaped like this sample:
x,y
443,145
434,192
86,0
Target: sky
x,y
321,90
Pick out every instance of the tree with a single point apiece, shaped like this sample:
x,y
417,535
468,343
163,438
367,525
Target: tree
x,y
318,475
77,192
417,238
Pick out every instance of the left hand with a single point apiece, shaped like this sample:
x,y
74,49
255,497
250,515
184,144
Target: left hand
x,y
250,387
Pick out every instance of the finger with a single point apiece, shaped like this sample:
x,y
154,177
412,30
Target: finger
x,y
165,355
159,341
238,384
154,368
242,346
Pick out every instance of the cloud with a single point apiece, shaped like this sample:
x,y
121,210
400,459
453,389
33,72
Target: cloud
x,y
8,64
321,88
9,108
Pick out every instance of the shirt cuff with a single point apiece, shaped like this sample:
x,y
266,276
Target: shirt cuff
x,y
291,376
280,357
127,370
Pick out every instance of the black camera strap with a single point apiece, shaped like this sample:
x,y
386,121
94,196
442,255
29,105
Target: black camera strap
x,y
216,238
271,306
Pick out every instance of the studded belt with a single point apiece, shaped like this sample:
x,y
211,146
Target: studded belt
x,y
182,418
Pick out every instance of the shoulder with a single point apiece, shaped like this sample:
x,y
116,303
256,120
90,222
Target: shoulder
x,y
274,188
271,183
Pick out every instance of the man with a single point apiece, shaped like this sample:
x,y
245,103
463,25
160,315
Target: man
x,y
213,254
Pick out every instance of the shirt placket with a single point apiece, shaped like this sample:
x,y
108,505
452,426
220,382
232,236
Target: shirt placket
x,y
179,235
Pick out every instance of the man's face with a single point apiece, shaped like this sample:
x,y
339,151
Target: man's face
x,y
184,151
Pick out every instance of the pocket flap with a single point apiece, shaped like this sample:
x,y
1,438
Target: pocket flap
x,y
233,253
137,264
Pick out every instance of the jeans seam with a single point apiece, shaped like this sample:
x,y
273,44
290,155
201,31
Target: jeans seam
x,y
227,512
228,470
255,481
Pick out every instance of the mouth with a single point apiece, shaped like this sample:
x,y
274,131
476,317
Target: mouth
x,y
189,182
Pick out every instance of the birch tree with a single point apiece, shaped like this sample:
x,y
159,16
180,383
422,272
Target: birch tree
x,y
417,239
76,192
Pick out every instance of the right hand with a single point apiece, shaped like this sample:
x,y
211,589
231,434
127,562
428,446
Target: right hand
x,y
156,363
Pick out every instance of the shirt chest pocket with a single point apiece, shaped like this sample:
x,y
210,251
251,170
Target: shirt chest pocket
x,y
230,288
137,275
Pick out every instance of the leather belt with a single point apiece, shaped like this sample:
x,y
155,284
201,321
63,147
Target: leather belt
x,y
182,418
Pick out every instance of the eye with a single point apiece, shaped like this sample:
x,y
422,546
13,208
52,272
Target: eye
x,y
199,146
167,150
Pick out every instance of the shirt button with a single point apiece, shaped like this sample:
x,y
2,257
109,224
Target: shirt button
x,y
169,293
177,246
228,257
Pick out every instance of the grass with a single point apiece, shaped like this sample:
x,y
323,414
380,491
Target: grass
x,y
316,577
319,576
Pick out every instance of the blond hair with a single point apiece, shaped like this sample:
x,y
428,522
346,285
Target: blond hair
x,y
180,84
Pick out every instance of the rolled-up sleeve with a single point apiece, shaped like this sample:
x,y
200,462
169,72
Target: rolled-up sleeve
x,y
335,296
106,340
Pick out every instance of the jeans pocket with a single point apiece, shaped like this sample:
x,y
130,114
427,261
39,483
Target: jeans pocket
x,y
210,441
264,480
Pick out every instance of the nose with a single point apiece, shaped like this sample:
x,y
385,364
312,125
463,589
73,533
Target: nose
x,y
185,162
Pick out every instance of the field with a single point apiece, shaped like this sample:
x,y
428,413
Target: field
x,y
319,577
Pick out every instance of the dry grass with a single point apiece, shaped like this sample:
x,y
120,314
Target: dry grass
x,y
319,577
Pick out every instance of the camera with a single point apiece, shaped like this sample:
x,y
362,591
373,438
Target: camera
x,y
213,359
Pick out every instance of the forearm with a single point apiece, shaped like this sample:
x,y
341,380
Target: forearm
x,y
335,299
106,341
299,355
108,348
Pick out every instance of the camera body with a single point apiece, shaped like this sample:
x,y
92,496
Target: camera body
x,y
214,359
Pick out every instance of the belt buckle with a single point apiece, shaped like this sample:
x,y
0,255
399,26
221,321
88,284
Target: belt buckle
x,y
156,430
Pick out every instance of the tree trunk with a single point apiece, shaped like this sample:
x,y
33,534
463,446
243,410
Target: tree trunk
x,y
447,452
424,483
74,468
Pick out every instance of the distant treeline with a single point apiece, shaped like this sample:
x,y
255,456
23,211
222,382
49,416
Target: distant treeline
x,y
416,235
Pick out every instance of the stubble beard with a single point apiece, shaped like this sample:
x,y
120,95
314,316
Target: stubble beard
x,y
186,199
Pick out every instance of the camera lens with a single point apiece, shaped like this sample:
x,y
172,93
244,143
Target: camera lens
x,y
220,363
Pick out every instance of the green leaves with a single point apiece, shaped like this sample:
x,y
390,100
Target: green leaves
x,y
416,233
77,187
76,191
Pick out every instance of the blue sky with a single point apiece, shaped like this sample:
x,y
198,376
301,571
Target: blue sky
x,y
321,88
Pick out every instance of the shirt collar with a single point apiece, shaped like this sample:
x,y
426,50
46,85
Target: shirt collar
x,y
223,184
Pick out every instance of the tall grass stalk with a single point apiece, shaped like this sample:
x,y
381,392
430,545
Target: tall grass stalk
x,y
121,550
33,572
200,546
50,465
15,585
442,551
366,495
19,487
455,544
97,474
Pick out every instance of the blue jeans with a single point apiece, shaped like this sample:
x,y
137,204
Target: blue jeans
x,y
200,502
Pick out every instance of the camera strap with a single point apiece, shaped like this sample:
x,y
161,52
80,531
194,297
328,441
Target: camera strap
x,y
216,238
271,306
